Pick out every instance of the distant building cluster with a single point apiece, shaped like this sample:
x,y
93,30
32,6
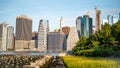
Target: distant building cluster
x,y
62,39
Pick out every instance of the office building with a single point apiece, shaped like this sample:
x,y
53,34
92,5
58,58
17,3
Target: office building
x,y
72,38
84,26
23,32
23,28
10,37
119,15
79,26
42,35
111,20
61,23
97,24
56,41
3,36
65,30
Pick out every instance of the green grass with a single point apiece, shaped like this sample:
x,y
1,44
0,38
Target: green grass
x,y
93,62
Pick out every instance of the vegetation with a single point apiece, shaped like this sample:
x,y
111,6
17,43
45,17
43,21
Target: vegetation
x,y
96,62
105,42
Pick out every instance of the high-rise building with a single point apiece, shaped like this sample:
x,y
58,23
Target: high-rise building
x,y
97,24
42,35
61,23
79,25
84,25
65,30
56,41
111,20
23,32
72,38
114,19
119,15
23,28
10,37
3,36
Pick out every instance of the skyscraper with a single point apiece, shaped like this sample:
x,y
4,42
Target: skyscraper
x,y
97,24
42,35
65,30
72,38
61,23
23,32
3,36
10,37
23,28
119,15
84,25
111,20
56,41
79,25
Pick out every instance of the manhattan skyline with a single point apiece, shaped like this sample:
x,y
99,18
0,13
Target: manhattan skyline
x,y
54,9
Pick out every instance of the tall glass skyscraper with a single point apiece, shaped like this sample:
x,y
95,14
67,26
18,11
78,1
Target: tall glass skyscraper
x,y
79,25
42,35
84,25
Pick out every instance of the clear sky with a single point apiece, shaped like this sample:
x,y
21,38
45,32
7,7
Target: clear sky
x,y
54,9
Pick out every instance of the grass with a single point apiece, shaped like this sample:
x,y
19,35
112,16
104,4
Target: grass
x,y
91,62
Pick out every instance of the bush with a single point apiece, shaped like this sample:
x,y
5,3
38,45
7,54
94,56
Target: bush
x,y
102,52
85,52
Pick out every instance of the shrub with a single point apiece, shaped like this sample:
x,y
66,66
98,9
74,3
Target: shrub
x,y
102,52
85,52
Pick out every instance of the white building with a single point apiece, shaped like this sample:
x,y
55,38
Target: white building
x,y
10,37
42,35
3,36
72,38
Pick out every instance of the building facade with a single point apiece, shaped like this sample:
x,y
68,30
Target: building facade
x,y
3,36
119,15
56,41
97,24
79,26
10,37
65,30
42,35
23,32
84,26
72,38
23,28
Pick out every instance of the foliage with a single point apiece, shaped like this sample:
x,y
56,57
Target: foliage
x,y
103,43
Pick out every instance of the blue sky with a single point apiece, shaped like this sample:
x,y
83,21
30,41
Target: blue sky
x,y
54,9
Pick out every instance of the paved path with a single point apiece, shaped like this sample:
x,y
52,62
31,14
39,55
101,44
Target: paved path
x,y
57,63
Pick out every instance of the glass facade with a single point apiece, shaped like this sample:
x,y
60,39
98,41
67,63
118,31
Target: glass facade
x,y
84,25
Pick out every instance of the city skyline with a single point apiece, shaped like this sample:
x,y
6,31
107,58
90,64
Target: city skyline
x,y
53,10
